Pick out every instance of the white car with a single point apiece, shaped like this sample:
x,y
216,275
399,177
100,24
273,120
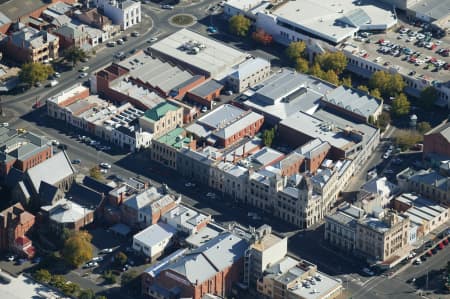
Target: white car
x,y
189,184
204,109
165,6
91,265
104,171
385,156
152,40
97,259
105,165
56,74
82,75
417,262
210,194
106,250
5,124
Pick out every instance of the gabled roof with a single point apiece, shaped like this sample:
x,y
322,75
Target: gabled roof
x,y
51,171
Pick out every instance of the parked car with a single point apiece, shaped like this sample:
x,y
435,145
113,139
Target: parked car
x,y
82,75
97,259
152,40
166,6
135,34
91,265
106,250
368,271
211,29
76,161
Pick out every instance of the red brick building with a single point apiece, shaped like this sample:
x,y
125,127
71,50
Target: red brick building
x,y
15,222
226,125
205,93
21,150
437,141
212,268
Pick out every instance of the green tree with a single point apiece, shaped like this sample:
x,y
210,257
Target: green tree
x,y
395,85
428,97
128,278
239,25
405,139
42,275
120,259
70,288
268,137
301,65
400,105
335,61
423,127
58,281
100,297
376,93
95,173
31,73
78,249
109,277
295,50
347,81
330,76
363,88
86,294
74,55
379,80
384,119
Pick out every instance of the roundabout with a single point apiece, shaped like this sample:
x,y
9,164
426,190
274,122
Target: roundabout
x,y
182,20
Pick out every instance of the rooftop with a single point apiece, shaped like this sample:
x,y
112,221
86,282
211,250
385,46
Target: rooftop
x,y
29,37
205,234
51,171
66,211
353,100
14,145
249,67
17,8
175,138
24,287
434,9
213,57
145,97
222,116
266,156
334,22
206,88
68,93
266,242
155,234
287,92
157,73
159,111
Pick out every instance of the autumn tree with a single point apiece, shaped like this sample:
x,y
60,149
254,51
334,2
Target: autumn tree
x,y
363,88
262,37
330,76
400,105
335,61
301,65
376,93
34,72
120,259
95,173
405,139
239,25
315,70
423,127
388,85
295,50
428,97
77,248
347,81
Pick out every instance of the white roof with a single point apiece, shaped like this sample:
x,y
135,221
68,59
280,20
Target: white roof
x,y
243,5
67,93
249,67
334,20
214,58
155,234
66,211
379,186
23,287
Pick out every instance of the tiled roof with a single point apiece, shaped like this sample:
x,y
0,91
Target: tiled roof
x,y
160,111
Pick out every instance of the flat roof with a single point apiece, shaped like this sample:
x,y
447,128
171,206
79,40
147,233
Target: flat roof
x,y
155,234
22,287
147,98
206,88
317,128
67,93
287,92
175,138
213,58
250,67
243,5
334,20
434,9
221,116
266,156
204,235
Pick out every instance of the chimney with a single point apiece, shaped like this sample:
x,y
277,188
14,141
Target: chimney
x,y
234,157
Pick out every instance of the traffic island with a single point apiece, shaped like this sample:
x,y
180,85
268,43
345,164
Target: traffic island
x,y
182,20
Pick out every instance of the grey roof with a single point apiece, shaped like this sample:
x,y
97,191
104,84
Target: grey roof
x,y
204,235
206,88
155,234
238,125
353,100
51,170
266,156
249,67
31,37
342,218
435,9
142,199
66,211
221,116
47,193
60,7
17,8
4,19
287,92
214,58
430,177
157,73
212,257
